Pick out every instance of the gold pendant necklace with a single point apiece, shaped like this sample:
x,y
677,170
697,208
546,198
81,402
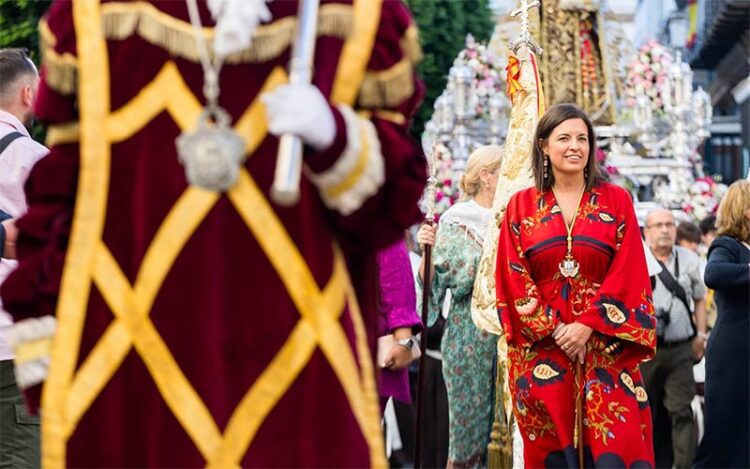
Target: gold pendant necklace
x,y
569,265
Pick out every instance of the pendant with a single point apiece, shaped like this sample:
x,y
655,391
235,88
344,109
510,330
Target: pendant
x,y
569,266
211,154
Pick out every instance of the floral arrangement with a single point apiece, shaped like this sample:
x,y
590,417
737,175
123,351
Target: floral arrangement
x,y
601,158
447,192
646,74
703,198
489,75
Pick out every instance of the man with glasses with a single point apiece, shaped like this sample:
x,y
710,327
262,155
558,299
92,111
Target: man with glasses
x,y
680,307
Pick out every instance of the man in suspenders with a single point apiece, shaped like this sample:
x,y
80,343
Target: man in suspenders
x,y
19,432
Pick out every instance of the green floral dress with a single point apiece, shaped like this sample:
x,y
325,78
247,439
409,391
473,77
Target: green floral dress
x,y
469,354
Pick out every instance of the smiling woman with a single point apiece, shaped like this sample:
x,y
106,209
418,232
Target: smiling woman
x,y
563,142
575,335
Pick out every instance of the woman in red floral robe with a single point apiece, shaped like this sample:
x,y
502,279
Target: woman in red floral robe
x,y
578,316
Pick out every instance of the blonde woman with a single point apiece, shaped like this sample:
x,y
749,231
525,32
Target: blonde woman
x,y
468,353
725,443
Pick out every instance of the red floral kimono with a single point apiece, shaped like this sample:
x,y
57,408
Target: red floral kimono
x,y
610,294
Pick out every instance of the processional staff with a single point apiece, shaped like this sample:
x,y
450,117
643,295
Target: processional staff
x,y
525,37
285,188
484,300
429,198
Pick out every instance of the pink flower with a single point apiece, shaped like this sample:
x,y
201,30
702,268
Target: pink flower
x,y
612,170
600,155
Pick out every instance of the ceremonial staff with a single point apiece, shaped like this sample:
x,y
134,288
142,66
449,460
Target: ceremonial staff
x,y
524,38
426,287
285,188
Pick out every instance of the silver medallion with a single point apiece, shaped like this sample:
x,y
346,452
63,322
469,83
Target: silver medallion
x,y
569,266
211,153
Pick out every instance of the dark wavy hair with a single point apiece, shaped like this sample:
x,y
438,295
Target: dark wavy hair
x,y
555,116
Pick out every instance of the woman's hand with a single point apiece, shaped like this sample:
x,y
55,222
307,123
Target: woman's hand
x,y
572,339
426,235
397,358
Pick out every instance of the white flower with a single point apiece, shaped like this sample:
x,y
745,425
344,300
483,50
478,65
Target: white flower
x,y
701,186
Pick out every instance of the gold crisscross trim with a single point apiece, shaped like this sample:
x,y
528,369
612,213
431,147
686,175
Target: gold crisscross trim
x,y
68,394
31,350
62,134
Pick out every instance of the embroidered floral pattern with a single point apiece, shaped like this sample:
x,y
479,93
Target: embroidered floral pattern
x,y
533,298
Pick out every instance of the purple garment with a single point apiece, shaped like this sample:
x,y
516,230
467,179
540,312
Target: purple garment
x,y
398,308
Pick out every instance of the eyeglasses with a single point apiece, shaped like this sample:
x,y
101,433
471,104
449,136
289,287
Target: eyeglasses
x,y
659,226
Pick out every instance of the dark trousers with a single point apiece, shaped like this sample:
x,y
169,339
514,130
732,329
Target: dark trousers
x,y
19,431
671,387
435,425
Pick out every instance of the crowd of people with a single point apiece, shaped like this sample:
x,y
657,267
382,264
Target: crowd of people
x,y
603,346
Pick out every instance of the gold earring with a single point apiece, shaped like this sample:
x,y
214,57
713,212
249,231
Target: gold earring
x,y
546,163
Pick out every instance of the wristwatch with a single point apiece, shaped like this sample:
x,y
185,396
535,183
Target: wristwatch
x,y
409,342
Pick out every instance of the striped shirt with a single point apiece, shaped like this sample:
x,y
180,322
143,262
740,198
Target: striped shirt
x,y
680,323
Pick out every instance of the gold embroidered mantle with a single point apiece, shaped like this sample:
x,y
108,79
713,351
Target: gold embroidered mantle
x,y
568,79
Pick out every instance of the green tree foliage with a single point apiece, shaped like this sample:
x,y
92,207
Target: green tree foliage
x,y
443,26
18,24
18,28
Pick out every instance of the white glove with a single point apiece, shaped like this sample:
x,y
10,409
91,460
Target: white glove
x,y
301,110
236,22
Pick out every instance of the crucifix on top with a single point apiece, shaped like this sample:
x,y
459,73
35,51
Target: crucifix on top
x,y
525,37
